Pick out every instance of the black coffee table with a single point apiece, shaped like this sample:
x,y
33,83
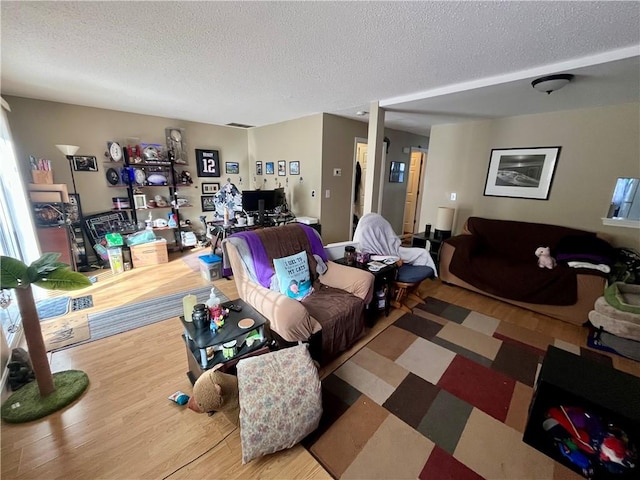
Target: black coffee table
x,y
198,341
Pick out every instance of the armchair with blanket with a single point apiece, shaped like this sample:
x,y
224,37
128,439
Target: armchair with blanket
x,y
331,318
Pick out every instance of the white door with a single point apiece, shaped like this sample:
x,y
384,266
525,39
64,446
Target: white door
x,y
413,192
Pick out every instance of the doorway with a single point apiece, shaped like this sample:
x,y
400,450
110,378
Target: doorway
x,y
358,185
414,182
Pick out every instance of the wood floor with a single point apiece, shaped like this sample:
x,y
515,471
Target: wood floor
x,y
124,427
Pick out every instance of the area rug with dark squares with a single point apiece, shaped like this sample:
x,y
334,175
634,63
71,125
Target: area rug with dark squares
x,y
442,393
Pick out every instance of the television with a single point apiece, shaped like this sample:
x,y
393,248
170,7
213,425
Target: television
x,y
251,200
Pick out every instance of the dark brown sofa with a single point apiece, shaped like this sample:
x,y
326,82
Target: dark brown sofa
x,y
496,258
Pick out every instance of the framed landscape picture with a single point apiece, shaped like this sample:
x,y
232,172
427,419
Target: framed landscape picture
x,y
269,168
208,163
282,168
294,168
521,172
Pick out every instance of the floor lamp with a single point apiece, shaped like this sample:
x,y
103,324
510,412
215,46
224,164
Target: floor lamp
x,y
69,151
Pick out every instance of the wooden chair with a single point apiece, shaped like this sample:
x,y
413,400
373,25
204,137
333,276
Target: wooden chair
x,y
407,282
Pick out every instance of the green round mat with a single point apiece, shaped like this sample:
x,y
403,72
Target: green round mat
x,y
26,404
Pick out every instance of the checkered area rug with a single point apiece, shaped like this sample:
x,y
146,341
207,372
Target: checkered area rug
x,y
441,393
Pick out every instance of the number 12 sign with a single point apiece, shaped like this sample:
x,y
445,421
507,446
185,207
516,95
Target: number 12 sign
x,y
208,163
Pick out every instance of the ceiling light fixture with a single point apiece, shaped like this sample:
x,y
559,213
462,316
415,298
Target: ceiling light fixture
x,y
362,113
551,83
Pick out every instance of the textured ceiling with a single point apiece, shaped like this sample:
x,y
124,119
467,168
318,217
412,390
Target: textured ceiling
x,y
259,63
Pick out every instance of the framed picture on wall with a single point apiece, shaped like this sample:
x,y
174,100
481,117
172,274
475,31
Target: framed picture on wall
x,y
209,188
521,172
269,168
294,168
282,168
208,162
84,163
208,203
258,168
396,173
232,167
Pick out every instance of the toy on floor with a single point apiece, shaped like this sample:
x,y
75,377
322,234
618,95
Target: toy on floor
x,y
545,260
179,397
215,391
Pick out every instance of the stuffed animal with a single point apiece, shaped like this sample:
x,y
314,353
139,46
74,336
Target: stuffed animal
x,y
215,391
545,260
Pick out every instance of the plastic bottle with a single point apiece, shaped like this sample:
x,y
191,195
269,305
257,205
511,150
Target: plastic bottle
x,y
213,303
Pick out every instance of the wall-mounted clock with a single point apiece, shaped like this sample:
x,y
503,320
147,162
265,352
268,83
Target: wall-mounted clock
x,y
115,151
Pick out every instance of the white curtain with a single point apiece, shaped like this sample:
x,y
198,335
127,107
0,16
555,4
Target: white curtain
x,y
17,231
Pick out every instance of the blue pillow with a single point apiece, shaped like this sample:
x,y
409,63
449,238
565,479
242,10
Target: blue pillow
x,y
294,279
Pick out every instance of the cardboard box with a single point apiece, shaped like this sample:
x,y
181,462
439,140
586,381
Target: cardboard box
x,y
152,253
42,176
210,267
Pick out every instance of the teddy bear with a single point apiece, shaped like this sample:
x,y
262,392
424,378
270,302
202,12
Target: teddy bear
x,y
215,391
545,260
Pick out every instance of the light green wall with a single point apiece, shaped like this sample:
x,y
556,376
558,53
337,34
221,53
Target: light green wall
x,y
598,145
37,126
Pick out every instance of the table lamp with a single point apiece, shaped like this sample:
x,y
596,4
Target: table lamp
x,y
444,223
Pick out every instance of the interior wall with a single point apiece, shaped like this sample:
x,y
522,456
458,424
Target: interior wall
x,y
338,149
37,126
297,140
598,146
394,194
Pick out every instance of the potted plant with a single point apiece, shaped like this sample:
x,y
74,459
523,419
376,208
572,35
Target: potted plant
x,y
46,272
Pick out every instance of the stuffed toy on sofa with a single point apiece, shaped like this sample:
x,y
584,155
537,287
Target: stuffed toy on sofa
x,y
545,260
215,391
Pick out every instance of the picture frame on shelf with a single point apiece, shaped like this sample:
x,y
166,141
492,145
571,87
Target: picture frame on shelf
x,y
258,168
294,168
282,168
208,203
521,172
84,163
396,172
139,201
269,168
232,168
210,188
208,163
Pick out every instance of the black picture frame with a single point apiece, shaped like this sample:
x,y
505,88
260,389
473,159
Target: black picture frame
x,y
294,168
208,162
210,188
84,163
258,168
521,172
282,168
232,168
269,170
207,202
396,172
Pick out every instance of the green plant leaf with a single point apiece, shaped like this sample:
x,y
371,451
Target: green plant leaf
x,y
63,279
13,273
45,259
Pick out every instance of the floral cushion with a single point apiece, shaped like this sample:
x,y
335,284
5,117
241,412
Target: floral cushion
x,y
280,401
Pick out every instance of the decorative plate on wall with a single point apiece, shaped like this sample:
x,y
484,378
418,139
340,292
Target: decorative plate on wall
x,y
112,176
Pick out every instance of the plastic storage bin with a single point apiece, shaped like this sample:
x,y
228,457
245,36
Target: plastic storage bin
x,y
210,267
